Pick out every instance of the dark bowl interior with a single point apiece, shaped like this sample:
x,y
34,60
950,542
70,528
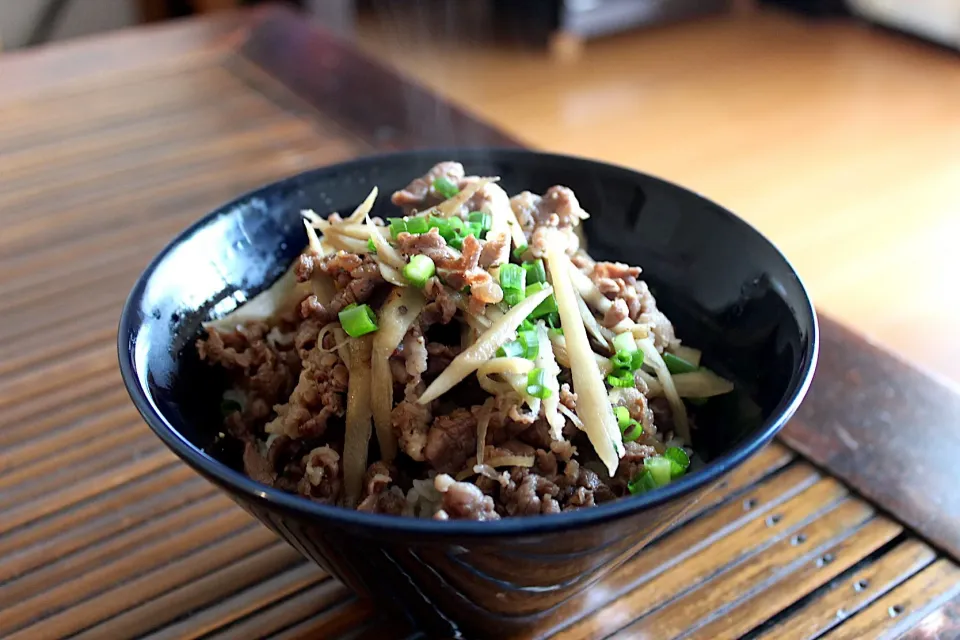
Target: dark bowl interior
x,y
727,290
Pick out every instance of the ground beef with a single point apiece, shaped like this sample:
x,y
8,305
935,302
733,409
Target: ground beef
x,y
636,403
567,397
494,251
318,396
619,283
419,194
410,421
529,494
321,479
451,440
441,356
256,465
463,501
662,414
378,496
441,307
263,369
429,244
615,314
537,434
355,277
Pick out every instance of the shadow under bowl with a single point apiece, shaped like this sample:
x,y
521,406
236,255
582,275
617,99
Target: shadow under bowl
x,y
726,288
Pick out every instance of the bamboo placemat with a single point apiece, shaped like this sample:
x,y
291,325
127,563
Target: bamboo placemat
x,y
105,534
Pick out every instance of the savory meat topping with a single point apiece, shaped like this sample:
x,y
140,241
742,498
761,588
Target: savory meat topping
x,y
421,378
321,479
451,440
420,193
463,501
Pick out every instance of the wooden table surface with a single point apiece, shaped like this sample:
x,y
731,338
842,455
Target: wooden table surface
x,y
848,527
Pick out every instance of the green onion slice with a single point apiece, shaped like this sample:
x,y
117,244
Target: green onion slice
x,y
358,320
677,365
418,225
679,461
659,468
537,384
535,271
419,270
445,188
642,483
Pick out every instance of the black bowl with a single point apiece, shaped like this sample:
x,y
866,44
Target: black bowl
x,y
726,288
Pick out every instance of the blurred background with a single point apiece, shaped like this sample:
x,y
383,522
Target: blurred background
x,y
832,125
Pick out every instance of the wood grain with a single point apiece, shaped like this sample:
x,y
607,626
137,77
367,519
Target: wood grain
x,y
114,145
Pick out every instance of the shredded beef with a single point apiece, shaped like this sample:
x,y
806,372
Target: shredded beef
x,y
441,308
616,314
662,414
321,479
355,278
529,494
378,496
619,283
537,434
419,194
410,421
318,396
256,465
463,501
451,440
441,356
262,368
428,244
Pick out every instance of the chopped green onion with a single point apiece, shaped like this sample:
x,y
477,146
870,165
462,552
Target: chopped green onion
x,y
632,431
622,380
526,325
419,270
445,188
519,251
659,468
229,406
513,297
512,349
555,331
456,242
371,246
536,384
677,365
484,219
636,360
358,320
440,224
397,226
535,271
456,225
418,225
679,461
548,306
623,417
621,360
625,342
474,229
352,305
642,483
530,342
511,277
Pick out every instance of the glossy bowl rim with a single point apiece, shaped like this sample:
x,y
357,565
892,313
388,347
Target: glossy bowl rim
x,y
236,482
